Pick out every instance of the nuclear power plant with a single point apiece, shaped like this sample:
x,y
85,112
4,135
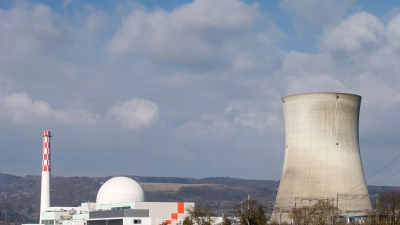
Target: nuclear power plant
x,y
120,201
322,155
322,162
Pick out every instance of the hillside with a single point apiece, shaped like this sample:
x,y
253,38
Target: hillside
x,y
20,196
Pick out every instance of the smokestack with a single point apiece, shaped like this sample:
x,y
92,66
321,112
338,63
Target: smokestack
x,y
45,192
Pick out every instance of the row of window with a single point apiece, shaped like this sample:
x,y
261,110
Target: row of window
x,y
48,222
119,208
105,222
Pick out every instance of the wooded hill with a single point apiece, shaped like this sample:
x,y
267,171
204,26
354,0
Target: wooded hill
x,y
20,196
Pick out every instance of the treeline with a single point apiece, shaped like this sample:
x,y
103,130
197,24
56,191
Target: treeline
x,y
8,216
11,185
21,195
253,213
210,180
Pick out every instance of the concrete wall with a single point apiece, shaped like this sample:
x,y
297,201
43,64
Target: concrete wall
x,y
130,221
168,212
114,205
322,155
119,213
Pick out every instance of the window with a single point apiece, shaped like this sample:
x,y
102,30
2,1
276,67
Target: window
x,y
137,221
119,208
48,222
97,222
115,222
105,222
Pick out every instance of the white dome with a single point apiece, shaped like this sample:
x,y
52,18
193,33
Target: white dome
x,y
120,190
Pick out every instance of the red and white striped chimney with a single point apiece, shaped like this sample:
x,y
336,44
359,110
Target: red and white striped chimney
x,y
45,192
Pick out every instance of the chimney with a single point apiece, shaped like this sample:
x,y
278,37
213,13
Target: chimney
x,y
45,192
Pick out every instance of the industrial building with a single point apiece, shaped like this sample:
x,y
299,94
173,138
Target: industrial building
x,y
119,201
322,162
322,155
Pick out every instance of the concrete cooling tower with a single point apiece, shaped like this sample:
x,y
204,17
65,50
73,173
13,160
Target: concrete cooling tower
x,y
322,155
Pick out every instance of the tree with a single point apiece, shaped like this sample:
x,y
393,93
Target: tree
x,y
260,214
322,213
388,207
188,221
301,216
226,221
201,215
250,212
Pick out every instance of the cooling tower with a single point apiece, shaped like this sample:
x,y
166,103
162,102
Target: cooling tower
x,y
322,155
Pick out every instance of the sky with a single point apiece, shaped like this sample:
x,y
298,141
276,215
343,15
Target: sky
x,y
189,88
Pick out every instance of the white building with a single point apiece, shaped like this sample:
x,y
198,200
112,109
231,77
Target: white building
x,y
120,201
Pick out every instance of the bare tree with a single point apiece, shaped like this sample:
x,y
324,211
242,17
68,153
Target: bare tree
x,y
187,221
388,207
226,221
201,215
322,213
301,216
250,212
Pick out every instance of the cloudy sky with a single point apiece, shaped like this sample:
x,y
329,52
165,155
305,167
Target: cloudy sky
x,y
189,88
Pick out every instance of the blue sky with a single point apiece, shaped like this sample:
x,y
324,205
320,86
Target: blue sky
x,y
189,88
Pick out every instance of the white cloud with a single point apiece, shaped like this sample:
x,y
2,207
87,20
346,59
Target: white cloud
x,y
315,13
238,114
66,3
96,22
135,113
244,63
258,117
378,92
393,32
33,31
191,34
213,125
315,83
298,63
21,108
361,33
214,67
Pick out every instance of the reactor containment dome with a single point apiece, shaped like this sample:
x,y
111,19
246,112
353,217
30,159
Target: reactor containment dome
x,y
322,154
119,190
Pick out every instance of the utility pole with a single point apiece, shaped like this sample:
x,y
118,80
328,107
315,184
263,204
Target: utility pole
x,y
248,208
337,200
248,201
377,205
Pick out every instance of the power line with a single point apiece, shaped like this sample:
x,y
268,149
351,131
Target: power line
x,y
375,173
386,177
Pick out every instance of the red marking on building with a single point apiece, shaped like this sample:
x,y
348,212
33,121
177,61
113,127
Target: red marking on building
x,y
181,207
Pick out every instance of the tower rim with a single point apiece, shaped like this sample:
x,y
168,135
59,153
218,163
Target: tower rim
x,y
315,93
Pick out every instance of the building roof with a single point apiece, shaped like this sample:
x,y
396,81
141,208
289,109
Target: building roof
x,y
120,190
